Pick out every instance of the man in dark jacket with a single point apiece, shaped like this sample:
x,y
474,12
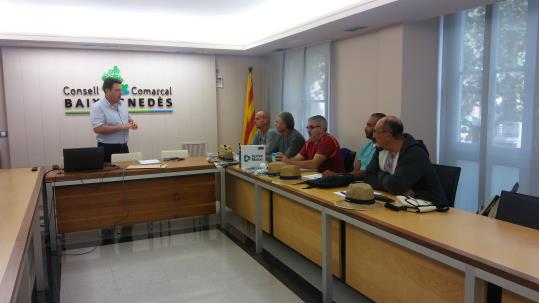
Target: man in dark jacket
x,y
401,165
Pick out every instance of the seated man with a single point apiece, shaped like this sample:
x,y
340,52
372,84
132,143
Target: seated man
x,y
264,134
321,151
289,141
401,165
364,156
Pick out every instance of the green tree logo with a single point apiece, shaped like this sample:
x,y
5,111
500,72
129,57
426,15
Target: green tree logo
x,y
114,73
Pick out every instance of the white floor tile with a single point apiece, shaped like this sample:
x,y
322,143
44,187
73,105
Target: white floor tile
x,y
195,267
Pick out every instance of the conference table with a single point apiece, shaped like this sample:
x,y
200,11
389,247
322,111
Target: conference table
x,y
387,256
122,195
21,257
390,256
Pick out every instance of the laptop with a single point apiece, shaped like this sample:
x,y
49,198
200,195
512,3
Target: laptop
x,y
88,158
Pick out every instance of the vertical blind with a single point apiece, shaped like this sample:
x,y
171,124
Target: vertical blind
x,y
489,113
306,74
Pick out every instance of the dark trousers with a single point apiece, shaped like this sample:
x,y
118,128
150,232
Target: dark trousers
x,y
107,235
113,149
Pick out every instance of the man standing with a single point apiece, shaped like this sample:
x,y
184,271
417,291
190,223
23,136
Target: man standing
x,y
322,151
264,134
110,119
111,122
401,165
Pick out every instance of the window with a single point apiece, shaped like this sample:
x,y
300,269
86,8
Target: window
x,y
489,108
306,83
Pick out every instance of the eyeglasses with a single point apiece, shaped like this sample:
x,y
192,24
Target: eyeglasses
x,y
312,127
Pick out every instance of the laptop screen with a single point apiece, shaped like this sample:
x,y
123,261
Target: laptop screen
x,y
88,158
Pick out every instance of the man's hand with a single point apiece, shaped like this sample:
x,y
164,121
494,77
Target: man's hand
x,y
134,125
281,157
410,193
329,173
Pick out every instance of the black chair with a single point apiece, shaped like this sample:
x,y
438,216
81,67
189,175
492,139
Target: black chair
x,y
449,178
519,209
349,157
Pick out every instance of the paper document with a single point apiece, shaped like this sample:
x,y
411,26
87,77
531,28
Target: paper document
x,y
146,162
313,176
343,193
147,166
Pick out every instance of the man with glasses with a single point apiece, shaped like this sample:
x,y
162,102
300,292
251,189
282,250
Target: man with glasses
x,y
401,165
321,152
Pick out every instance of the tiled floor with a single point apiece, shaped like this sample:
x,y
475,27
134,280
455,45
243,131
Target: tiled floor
x,y
201,266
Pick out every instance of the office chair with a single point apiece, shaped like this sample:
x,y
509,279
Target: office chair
x,y
449,178
349,157
519,209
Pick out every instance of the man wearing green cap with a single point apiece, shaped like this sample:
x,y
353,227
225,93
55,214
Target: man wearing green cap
x,y
110,119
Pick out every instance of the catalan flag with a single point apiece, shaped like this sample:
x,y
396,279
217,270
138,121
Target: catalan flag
x,y
249,111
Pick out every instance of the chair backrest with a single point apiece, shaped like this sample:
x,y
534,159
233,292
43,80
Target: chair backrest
x,y
349,157
519,209
126,157
449,178
195,148
180,153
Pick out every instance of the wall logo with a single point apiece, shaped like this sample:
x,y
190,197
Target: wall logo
x,y
125,90
78,101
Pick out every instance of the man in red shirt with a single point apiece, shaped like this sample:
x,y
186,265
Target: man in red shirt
x,y
321,151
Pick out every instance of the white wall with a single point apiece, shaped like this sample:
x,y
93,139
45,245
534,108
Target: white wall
x,y
39,129
392,70
367,78
420,80
4,144
231,98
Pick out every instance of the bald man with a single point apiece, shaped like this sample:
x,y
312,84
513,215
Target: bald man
x,y
264,134
401,165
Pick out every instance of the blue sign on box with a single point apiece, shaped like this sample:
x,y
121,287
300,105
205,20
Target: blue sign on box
x,y
252,156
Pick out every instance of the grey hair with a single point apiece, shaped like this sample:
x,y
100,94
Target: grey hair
x,y
321,120
394,126
287,119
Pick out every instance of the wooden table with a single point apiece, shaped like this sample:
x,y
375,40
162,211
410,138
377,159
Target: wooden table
x,y
120,196
21,259
408,257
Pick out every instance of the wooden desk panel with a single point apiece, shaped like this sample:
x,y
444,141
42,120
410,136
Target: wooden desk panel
x,y
241,199
189,164
482,242
102,205
20,191
509,297
300,227
386,272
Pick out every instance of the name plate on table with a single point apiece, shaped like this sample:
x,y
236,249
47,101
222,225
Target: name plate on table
x,y
252,156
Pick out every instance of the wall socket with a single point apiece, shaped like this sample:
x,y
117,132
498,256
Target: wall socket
x,y
3,134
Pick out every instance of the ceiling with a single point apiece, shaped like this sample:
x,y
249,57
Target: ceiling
x,y
252,27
